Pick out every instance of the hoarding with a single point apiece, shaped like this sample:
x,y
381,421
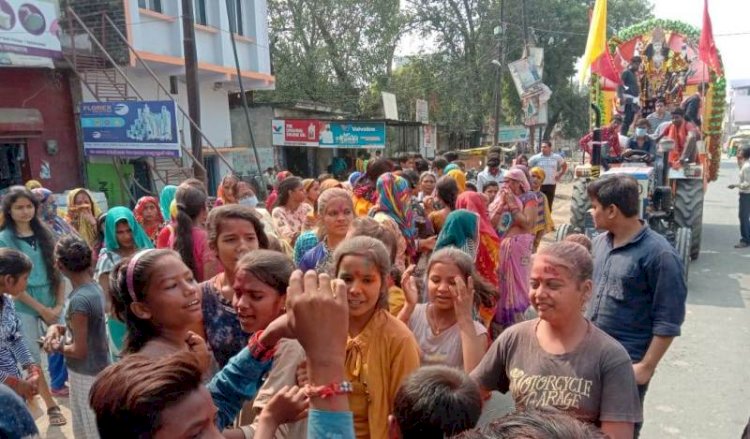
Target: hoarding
x,y
130,128
364,135
512,134
295,132
28,31
423,112
327,134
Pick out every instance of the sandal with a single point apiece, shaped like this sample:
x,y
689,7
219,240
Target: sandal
x,y
56,417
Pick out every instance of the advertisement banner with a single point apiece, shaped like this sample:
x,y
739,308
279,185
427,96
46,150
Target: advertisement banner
x,y
390,108
525,75
357,135
295,132
28,29
423,112
130,128
429,141
512,134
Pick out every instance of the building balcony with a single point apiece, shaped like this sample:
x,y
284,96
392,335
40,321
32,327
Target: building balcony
x,y
154,32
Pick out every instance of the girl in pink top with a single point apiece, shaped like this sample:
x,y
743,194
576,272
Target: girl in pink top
x,y
190,238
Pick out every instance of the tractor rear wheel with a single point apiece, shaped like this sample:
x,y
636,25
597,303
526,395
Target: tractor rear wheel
x,y
580,204
682,243
688,211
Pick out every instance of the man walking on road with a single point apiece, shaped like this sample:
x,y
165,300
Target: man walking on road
x,y
639,288
554,167
492,172
744,187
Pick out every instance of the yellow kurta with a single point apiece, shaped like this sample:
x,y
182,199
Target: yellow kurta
x,y
377,361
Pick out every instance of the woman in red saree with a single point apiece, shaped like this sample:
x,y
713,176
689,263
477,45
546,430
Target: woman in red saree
x,y
148,215
488,245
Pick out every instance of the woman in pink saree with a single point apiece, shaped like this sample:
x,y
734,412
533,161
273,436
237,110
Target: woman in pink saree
x,y
514,214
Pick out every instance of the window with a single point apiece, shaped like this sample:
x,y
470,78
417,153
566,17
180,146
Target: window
x,y
235,15
154,5
199,12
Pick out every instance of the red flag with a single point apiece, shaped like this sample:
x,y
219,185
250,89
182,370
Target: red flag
x,y
707,51
604,66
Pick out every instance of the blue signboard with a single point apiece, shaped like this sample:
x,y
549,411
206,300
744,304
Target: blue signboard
x,y
352,135
130,128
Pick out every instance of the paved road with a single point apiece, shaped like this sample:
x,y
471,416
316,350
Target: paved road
x,y
701,387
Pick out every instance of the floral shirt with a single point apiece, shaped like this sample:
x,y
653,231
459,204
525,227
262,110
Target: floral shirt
x,y
223,331
289,224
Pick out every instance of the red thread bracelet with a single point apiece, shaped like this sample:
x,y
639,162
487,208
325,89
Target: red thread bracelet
x,y
258,350
323,392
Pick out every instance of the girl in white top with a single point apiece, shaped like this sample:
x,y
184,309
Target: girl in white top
x,y
444,327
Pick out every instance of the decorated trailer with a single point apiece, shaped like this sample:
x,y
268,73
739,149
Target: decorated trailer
x,y
671,69
679,64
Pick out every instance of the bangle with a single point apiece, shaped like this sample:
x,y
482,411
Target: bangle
x,y
323,392
259,351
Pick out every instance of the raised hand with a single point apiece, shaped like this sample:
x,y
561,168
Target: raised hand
x,y
409,285
463,299
316,308
197,345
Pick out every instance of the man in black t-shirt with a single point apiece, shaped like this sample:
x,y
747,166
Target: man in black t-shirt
x,y
630,93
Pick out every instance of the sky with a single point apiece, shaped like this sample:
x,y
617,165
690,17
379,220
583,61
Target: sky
x,y
727,17
731,26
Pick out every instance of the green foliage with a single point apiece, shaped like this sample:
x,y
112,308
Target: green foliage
x,y
329,50
340,52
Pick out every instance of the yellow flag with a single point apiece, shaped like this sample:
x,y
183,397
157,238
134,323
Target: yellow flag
x,y
597,40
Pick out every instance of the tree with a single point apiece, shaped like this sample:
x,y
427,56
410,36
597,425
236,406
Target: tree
x,y
340,52
329,50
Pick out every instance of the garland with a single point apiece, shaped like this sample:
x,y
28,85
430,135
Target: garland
x,y
713,124
596,96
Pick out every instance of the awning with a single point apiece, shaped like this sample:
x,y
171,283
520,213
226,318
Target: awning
x,y
20,122
208,151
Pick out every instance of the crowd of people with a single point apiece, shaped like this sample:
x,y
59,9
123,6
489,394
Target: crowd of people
x,y
386,305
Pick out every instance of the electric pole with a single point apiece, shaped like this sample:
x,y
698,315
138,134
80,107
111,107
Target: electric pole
x,y
532,130
193,94
500,73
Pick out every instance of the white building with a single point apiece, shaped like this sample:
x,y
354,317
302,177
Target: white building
x,y
151,37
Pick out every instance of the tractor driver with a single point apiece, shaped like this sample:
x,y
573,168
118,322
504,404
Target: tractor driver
x,y
641,141
685,135
610,134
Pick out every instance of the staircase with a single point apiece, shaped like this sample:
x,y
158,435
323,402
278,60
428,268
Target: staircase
x,y
106,81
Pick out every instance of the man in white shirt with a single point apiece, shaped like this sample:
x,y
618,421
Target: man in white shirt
x,y
492,172
658,117
744,187
554,167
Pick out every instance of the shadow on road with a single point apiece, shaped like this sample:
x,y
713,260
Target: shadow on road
x,y
715,276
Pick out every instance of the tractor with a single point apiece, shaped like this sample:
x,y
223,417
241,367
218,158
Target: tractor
x,y
671,201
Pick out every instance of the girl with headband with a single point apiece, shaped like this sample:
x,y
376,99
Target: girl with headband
x,y
158,306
